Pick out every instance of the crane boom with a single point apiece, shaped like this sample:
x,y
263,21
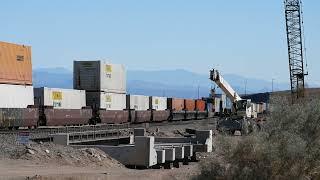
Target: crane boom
x,y
294,26
224,85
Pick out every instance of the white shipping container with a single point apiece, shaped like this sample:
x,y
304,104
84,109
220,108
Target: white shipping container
x,y
15,96
108,101
60,98
159,103
100,76
138,102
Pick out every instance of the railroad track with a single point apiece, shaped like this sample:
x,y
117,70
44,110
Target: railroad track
x,y
46,131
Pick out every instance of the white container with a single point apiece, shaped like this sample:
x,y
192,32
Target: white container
x,y
60,98
15,96
138,102
158,103
104,100
99,76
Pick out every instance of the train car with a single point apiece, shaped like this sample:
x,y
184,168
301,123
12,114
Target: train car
x,y
159,109
61,107
201,110
138,107
190,109
19,117
176,107
108,108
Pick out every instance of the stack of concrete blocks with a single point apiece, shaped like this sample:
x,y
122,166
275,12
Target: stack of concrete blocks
x,y
148,151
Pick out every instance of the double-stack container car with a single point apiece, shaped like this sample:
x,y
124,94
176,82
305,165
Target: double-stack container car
x,y
139,105
190,109
105,86
159,109
202,111
177,110
109,108
16,90
59,107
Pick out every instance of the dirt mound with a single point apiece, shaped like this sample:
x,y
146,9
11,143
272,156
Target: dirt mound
x,y
42,153
64,155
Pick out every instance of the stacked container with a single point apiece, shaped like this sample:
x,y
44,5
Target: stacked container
x,y
62,106
139,105
159,108
201,109
190,108
176,107
105,86
16,90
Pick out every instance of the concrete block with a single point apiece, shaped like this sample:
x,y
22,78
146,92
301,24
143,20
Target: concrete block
x,y
62,139
179,153
161,156
170,154
188,150
145,153
139,132
205,137
131,139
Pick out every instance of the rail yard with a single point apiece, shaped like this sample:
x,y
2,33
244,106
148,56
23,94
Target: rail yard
x,y
98,130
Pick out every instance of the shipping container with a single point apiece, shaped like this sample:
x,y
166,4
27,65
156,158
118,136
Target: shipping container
x,y
113,116
138,102
104,100
63,117
158,103
60,98
176,104
15,64
200,105
190,105
18,117
99,76
16,96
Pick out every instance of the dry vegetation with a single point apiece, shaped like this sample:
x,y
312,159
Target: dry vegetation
x,y
288,147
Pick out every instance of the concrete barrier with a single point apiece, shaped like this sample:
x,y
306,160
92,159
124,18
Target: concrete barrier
x,y
62,139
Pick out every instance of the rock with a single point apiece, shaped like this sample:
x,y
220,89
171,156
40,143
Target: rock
x,y
237,133
31,152
90,151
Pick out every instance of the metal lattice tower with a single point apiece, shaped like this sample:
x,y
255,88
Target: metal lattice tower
x,y
294,25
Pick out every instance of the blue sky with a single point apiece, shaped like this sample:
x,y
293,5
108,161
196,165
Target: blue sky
x,y
241,37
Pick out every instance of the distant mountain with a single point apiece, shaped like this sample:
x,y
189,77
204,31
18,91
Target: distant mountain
x,y
53,77
170,83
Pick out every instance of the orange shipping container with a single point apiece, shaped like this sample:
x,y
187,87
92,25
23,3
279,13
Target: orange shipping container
x,y
200,105
15,64
175,104
190,105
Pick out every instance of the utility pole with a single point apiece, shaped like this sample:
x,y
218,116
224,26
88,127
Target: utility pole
x,y
272,84
245,87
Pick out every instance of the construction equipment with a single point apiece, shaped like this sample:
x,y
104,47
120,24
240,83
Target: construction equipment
x,y
241,107
296,50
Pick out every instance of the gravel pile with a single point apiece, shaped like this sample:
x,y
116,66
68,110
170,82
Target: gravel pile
x,y
53,154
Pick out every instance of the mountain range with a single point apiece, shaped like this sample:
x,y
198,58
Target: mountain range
x,y
169,83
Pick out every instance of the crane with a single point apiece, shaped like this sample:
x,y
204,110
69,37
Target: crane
x,y
242,107
294,27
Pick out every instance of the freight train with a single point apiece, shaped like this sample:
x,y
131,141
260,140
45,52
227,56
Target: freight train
x,y
99,96
177,110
